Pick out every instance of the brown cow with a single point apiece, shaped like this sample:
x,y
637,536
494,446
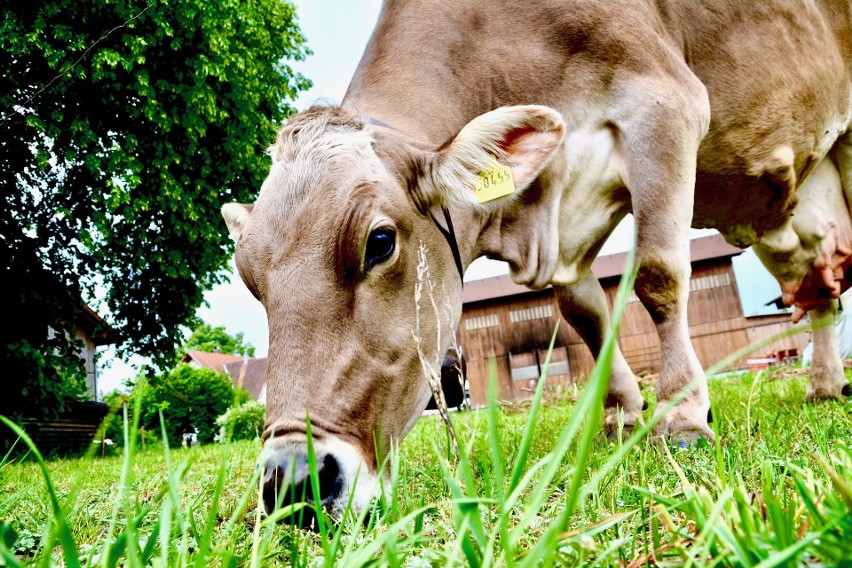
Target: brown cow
x,y
726,114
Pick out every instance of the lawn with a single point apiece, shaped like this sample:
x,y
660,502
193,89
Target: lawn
x,y
775,491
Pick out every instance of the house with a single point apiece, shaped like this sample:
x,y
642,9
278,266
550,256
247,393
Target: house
x,y
92,333
74,429
513,325
245,372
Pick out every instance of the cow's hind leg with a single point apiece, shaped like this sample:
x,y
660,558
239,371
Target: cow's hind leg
x,y
584,306
827,377
810,256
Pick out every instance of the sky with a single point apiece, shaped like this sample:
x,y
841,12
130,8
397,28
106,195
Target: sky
x,y
337,33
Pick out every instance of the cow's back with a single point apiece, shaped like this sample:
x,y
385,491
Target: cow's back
x,y
776,71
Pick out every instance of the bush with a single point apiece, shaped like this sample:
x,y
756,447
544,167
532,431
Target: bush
x,y
243,422
190,397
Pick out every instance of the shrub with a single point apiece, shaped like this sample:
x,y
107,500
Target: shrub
x,y
190,398
243,422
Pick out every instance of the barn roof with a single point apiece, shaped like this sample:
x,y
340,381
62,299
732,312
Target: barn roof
x,y
610,266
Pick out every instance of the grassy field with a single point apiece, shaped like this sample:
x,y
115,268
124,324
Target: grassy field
x,y
529,490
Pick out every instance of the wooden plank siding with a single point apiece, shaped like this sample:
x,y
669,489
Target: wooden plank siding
x,y
515,332
69,433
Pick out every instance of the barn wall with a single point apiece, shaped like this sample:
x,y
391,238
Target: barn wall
x,y
515,332
516,335
764,327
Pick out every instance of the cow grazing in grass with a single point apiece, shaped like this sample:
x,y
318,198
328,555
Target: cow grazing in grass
x,y
725,114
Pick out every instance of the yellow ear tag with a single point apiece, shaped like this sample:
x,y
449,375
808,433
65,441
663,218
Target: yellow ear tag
x,y
494,182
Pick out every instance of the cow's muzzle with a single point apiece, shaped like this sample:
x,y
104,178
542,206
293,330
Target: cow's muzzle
x,y
343,480
287,481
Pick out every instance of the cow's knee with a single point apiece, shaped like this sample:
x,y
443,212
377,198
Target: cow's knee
x,y
660,287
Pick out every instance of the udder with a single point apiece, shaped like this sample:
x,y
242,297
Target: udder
x,y
811,253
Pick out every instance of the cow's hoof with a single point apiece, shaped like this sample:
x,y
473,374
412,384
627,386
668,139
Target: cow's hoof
x,y
685,427
685,439
626,432
828,392
615,416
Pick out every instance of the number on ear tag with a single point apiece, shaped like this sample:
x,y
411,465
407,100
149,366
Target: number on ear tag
x,y
494,182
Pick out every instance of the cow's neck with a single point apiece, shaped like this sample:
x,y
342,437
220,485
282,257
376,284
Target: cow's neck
x,y
432,66
427,77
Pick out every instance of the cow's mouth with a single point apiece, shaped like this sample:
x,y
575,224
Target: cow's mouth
x,y
344,480
288,482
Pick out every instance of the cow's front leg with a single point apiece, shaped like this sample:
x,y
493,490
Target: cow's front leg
x,y
661,180
827,377
662,285
584,306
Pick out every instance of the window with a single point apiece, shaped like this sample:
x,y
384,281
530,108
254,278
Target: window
x,y
481,322
533,313
709,281
525,366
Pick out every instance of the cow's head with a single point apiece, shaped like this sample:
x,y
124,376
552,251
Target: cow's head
x,y
335,247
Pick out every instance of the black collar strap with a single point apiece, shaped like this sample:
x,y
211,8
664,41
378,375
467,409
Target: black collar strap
x,y
449,233
376,122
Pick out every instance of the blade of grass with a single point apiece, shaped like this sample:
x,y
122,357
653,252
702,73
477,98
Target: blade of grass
x,y
313,471
590,405
63,532
201,558
529,429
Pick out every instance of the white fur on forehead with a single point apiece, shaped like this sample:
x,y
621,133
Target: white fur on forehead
x,y
318,130
318,150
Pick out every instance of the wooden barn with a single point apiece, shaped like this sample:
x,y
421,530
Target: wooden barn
x,y
513,325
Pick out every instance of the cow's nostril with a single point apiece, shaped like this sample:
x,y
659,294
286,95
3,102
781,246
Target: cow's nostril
x,y
330,480
287,481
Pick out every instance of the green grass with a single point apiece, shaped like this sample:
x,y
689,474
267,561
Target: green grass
x,y
776,491
532,488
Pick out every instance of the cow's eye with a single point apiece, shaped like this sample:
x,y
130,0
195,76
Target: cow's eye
x,y
380,245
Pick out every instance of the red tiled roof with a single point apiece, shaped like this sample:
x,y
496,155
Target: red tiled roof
x,y
215,361
250,375
610,266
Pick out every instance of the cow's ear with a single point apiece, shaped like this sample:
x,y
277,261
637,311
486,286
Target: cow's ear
x,y
236,216
522,138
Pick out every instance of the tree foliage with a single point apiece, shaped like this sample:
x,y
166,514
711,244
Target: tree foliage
x,y
243,422
191,399
124,126
207,338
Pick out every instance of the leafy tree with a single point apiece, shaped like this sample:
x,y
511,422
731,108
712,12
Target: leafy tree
x,y
241,396
124,126
207,338
243,422
191,398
